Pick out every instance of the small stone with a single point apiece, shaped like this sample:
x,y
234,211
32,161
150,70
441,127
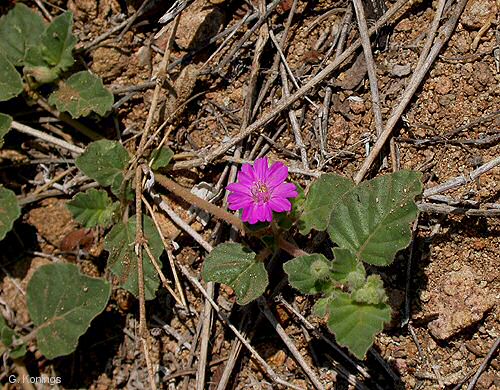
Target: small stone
x,y
446,100
197,25
401,70
460,304
477,13
443,85
357,106
483,74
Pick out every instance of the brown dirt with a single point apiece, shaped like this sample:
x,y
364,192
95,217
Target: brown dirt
x,y
455,277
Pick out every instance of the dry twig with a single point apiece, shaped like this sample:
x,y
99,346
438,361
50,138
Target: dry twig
x,y
413,84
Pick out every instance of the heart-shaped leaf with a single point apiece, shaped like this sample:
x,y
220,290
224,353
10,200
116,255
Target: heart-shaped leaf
x,y
356,324
373,220
11,83
62,302
21,30
9,210
7,338
120,242
58,42
309,274
81,94
236,266
160,158
93,207
324,194
104,161
5,123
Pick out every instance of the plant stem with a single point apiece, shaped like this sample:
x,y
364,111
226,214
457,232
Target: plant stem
x,y
185,194
219,212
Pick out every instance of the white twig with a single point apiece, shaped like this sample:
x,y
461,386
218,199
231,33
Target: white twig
x,y
46,137
462,180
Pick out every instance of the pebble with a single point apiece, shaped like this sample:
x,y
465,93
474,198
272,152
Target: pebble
x,y
477,13
401,70
443,85
446,100
197,25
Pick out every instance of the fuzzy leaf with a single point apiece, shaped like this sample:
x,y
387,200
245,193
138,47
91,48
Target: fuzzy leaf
x,y
345,262
356,324
5,123
236,266
92,208
7,337
21,30
120,242
161,158
81,94
58,42
9,210
11,83
309,274
62,302
104,161
286,220
373,221
324,194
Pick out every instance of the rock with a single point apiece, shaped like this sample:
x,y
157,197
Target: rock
x,y
443,85
477,13
401,70
483,74
356,104
446,100
200,22
460,304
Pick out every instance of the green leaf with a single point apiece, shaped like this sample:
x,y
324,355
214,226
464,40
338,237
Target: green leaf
x,y
62,302
9,211
322,306
104,161
286,220
120,242
236,266
92,208
11,83
324,194
161,158
81,94
309,274
21,30
356,324
58,42
7,337
345,262
373,221
5,123
372,292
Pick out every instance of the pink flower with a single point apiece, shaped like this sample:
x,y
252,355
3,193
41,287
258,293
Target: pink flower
x,y
260,190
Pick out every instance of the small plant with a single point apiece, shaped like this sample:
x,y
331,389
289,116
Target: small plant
x,y
369,223
61,301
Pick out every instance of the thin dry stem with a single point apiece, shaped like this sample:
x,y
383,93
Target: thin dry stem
x,y
139,241
413,84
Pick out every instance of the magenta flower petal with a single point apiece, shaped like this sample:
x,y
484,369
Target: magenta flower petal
x,y
240,188
261,169
260,191
280,204
237,201
277,174
285,190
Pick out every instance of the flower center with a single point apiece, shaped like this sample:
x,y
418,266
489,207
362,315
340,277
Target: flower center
x,y
260,193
